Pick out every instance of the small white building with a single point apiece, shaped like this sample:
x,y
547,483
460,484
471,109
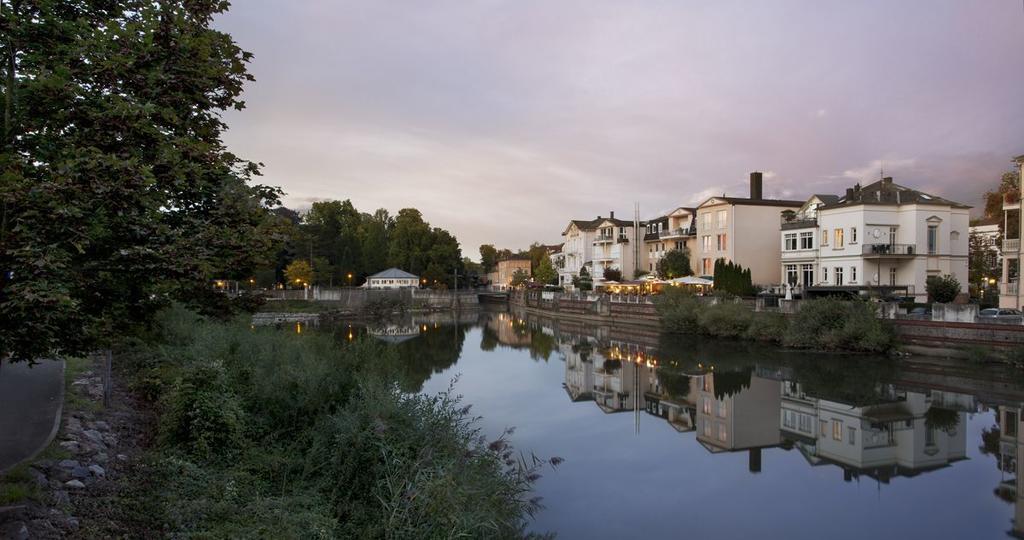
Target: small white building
x,y
392,278
882,237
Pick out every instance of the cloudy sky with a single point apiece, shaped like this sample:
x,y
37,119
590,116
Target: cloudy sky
x,y
501,120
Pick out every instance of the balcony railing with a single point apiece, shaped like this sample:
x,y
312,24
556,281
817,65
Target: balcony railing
x,y
1010,289
798,222
680,231
889,250
603,238
1011,245
622,238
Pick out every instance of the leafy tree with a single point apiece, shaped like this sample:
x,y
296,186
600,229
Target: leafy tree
x,y
520,277
942,289
488,258
117,192
675,263
1009,185
583,281
982,264
298,273
374,234
612,274
545,272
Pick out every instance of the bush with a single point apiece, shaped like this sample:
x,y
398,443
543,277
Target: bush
x,y
201,415
942,289
678,311
725,319
832,324
769,327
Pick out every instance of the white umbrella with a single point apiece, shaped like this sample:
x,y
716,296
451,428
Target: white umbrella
x,y
692,280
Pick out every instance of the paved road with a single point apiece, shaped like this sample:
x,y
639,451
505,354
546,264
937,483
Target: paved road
x,y
30,398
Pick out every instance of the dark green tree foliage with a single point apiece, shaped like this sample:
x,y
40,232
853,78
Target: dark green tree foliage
x,y
116,189
674,264
488,257
732,278
942,289
613,274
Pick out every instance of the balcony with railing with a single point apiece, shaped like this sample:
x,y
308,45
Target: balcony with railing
x,y
1011,245
889,250
790,220
676,233
1010,289
604,238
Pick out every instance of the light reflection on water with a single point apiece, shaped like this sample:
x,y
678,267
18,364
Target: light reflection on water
x,y
668,436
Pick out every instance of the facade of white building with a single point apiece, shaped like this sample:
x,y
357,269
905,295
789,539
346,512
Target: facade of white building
x,y
882,237
1011,295
597,245
577,249
392,278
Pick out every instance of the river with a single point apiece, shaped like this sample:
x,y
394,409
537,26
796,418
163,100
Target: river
x,y
667,436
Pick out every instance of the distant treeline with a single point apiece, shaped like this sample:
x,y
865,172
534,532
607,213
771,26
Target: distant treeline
x,y
345,246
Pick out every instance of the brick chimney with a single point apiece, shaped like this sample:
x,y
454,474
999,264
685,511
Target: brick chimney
x,y
756,193
612,214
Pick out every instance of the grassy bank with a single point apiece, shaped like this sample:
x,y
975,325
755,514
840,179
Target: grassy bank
x,y
268,434
825,324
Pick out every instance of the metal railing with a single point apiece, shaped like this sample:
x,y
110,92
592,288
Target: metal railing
x,y
1011,244
680,231
1010,289
889,249
798,222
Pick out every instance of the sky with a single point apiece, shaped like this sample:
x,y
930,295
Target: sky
x,y
502,120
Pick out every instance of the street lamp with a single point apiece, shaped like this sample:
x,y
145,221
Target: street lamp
x,y
350,279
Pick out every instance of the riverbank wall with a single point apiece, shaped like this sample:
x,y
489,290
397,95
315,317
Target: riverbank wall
x,y
939,338
355,299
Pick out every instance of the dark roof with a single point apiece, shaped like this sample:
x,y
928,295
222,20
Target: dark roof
x,y
1019,158
994,220
887,192
827,199
743,201
585,225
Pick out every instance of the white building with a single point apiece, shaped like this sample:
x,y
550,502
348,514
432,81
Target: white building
x,y
1011,295
392,278
883,238
598,245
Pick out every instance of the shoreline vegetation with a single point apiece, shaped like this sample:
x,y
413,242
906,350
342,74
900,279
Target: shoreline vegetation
x,y
824,324
263,433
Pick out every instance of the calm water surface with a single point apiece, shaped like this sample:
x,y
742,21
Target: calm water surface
x,y
671,437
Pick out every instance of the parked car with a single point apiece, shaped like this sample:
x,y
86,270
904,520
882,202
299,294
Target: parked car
x,y
1001,315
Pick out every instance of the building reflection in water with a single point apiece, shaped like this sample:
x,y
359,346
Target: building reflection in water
x,y
880,433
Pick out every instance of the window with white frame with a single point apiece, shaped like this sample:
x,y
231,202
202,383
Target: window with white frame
x,y
791,274
807,271
824,274
839,275
892,276
723,242
837,430
853,274
839,239
933,239
705,220
705,242
824,237
723,219
806,240
853,235
790,242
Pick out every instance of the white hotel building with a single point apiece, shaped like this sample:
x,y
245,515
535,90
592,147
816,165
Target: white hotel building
x,y
1011,294
882,238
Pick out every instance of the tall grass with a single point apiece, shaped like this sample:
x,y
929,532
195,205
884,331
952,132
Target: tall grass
x,y
264,433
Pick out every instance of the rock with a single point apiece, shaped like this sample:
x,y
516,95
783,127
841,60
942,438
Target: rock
x,y
69,464
102,426
16,531
39,478
72,523
97,470
110,440
74,484
101,458
122,457
80,472
93,435
61,498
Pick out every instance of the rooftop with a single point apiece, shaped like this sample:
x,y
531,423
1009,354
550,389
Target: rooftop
x,y
394,273
887,192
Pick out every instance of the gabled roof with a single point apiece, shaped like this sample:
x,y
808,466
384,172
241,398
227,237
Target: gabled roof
x,y
582,224
743,201
887,192
394,273
1019,159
